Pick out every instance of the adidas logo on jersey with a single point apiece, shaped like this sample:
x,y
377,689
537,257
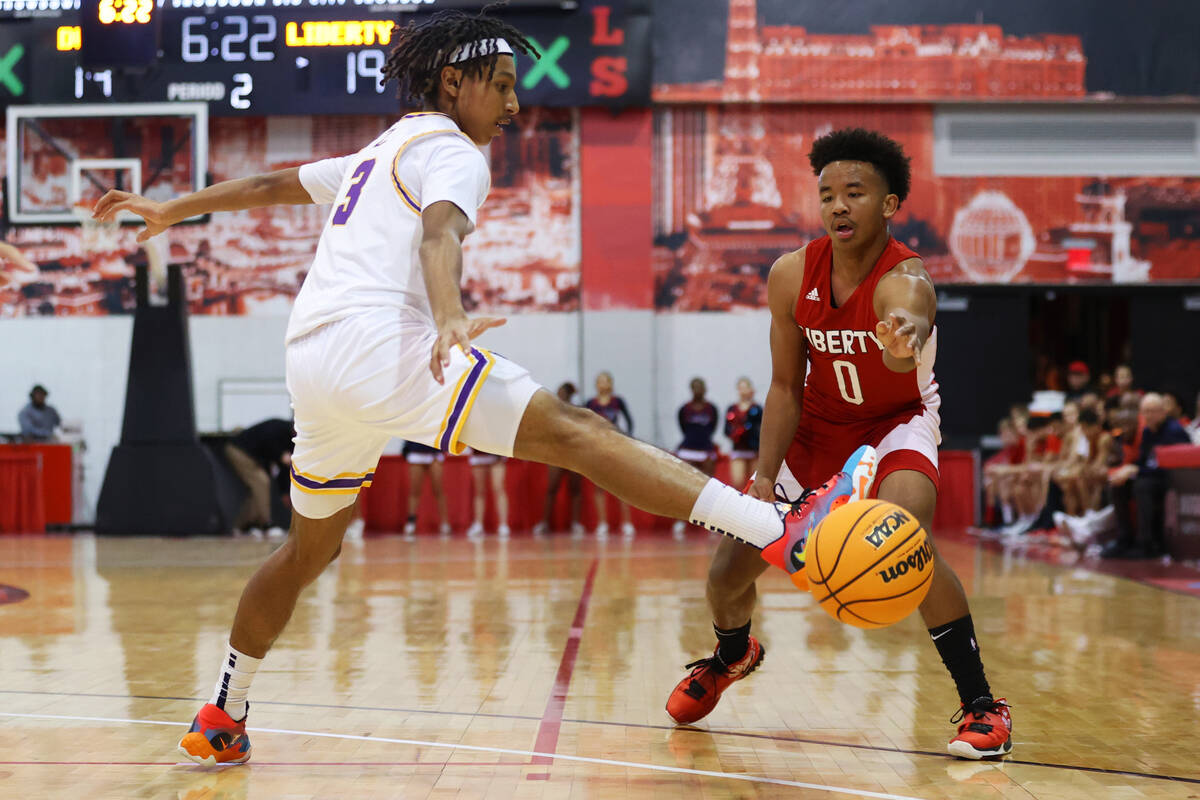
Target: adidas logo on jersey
x,y
813,295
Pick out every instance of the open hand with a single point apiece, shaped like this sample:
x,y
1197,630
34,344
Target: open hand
x,y
899,337
115,201
458,330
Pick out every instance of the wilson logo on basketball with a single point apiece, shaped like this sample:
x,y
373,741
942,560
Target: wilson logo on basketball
x,y
916,561
885,528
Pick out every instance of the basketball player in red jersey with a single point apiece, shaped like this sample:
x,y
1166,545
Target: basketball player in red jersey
x,y
852,352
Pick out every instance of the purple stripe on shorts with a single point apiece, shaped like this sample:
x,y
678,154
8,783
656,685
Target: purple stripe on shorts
x,y
460,402
332,483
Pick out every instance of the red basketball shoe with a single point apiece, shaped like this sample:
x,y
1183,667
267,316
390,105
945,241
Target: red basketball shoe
x,y
215,738
802,516
697,694
984,730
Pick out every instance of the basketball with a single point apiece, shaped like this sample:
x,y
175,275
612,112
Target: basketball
x,y
869,563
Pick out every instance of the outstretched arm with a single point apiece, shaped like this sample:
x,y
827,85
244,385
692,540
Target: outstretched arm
x,y
443,228
905,304
282,187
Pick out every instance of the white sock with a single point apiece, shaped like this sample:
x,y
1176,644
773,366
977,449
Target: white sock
x,y
723,509
233,682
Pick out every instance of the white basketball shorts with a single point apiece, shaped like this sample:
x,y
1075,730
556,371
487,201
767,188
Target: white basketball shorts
x,y
360,381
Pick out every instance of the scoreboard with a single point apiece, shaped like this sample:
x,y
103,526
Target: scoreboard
x,y
267,57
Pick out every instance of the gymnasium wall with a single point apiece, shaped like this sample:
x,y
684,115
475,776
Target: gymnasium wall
x,y
637,241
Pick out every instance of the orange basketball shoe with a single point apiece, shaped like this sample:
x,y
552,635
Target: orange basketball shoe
x,y
852,483
697,694
984,730
215,738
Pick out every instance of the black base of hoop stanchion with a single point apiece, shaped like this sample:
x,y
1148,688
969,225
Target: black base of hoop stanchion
x,y
160,479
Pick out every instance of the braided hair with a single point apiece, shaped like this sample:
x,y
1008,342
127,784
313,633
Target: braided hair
x,y
422,49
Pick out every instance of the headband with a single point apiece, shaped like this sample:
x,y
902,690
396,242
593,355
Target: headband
x,y
477,49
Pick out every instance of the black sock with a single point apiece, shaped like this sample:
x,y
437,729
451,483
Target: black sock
x,y
956,645
732,644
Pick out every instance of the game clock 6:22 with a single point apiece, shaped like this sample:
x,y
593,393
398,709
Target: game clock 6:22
x,y
268,59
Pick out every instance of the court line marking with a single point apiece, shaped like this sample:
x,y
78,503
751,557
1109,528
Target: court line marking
x,y
734,776
551,724
1155,776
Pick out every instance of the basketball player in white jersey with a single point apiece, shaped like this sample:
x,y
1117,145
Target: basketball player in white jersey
x,y
379,346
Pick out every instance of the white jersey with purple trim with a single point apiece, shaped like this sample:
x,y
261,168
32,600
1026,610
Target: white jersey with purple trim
x,y
367,257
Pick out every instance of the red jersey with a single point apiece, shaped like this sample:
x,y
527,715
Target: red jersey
x,y
847,380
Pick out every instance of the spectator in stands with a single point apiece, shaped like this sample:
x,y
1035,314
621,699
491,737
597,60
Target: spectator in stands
x,y
15,267
698,422
1122,382
1082,479
1173,409
1043,450
1084,467
612,407
554,478
260,455
1019,414
1000,472
1144,482
1078,379
743,422
38,419
1092,400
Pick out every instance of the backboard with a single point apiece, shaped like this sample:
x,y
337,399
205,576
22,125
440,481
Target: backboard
x,y
59,157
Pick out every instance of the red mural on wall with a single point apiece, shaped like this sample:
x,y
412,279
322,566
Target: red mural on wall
x,y
734,190
788,63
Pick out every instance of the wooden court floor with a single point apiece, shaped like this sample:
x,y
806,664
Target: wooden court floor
x,y
539,669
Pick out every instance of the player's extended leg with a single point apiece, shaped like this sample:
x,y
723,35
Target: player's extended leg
x,y
218,733
552,432
985,724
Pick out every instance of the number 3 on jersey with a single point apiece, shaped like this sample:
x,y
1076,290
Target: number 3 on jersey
x,y
847,378
342,213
